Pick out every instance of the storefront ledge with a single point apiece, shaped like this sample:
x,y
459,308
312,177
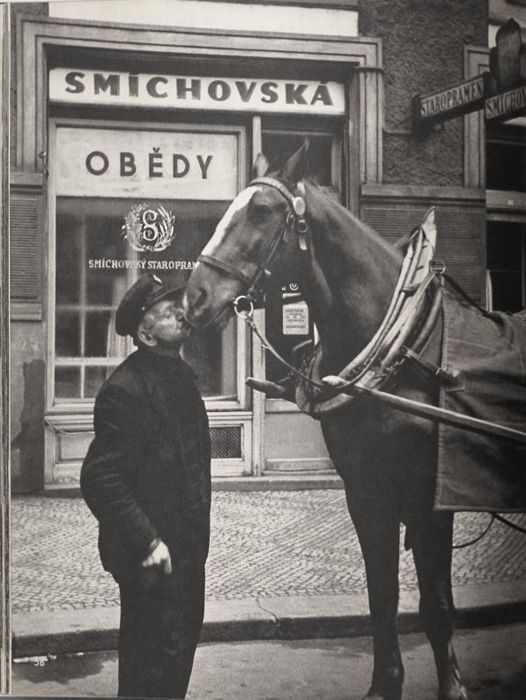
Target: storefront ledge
x,y
295,482
292,482
422,192
287,617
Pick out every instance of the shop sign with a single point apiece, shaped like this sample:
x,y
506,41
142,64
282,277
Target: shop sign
x,y
501,92
93,87
451,102
506,105
506,97
140,163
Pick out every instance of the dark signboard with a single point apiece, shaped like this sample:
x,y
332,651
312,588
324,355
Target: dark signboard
x,y
450,102
507,90
501,92
506,105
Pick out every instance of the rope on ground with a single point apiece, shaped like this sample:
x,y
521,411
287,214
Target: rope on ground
x,y
493,517
509,523
479,537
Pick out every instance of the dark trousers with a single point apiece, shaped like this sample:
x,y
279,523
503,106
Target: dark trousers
x,y
161,618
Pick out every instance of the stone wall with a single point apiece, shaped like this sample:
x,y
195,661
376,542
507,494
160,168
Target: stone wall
x,y
423,50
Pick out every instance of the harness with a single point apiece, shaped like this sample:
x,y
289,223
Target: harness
x,y
400,338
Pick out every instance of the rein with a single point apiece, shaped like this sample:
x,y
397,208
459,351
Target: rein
x,y
410,406
246,315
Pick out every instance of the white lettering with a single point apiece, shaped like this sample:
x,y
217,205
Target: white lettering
x,y
452,98
506,103
124,264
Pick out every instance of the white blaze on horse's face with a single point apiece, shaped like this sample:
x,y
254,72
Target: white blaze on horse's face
x,y
240,202
240,245
209,292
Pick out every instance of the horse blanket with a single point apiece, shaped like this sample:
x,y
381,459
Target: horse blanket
x,y
476,471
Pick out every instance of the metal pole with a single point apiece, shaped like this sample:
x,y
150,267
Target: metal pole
x,y
424,410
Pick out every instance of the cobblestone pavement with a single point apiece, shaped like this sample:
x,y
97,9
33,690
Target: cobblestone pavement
x,y
269,543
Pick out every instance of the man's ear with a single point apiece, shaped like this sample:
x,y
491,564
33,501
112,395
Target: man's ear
x,y
146,337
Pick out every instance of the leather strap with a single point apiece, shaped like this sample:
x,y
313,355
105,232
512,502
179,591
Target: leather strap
x,y
277,185
293,219
448,378
231,270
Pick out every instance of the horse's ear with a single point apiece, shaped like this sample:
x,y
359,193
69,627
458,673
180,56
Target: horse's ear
x,y
260,167
296,166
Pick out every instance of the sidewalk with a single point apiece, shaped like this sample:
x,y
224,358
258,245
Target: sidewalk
x,y
283,564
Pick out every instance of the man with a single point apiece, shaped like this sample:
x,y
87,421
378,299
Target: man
x,y
146,478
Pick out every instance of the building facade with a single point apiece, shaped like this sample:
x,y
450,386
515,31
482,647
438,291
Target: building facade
x,y
133,128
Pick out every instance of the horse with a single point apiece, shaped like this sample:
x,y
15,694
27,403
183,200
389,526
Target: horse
x,y
386,459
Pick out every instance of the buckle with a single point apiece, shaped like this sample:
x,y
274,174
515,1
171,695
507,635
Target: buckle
x,y
243,306
437,266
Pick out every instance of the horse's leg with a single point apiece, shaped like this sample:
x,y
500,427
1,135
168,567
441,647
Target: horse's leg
x,y
378,532
374,510
432,549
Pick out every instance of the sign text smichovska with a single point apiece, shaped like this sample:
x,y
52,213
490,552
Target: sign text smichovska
x,y
195,92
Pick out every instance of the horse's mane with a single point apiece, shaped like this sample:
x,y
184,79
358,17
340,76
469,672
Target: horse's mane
x,y
353,220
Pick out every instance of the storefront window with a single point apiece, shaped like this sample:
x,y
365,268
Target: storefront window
x,y
279,145
88,291
103,243
506,230
506,263
505,158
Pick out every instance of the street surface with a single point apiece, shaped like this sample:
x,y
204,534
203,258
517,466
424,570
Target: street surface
x,y
493,661
264,544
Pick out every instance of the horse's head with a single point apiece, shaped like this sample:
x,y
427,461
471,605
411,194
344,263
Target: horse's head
x,y
247,241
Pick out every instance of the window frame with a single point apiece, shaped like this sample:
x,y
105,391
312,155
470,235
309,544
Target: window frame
x,y
59,406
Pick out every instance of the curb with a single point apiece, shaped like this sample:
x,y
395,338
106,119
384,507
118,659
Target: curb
x,y
269,482
294,617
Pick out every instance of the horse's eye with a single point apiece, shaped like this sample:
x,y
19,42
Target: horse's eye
x,y
261,212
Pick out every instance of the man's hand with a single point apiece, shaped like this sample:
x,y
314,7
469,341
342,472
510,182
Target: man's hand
x,y
159,556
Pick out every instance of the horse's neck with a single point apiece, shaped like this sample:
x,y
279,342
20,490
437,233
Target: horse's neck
x,y
348,281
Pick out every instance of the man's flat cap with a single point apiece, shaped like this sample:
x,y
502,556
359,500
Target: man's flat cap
x,y
140,297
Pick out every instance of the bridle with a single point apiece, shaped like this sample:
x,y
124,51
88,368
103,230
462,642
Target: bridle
x,y
294,222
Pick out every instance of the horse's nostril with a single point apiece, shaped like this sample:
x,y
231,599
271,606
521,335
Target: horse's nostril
x,y
198,298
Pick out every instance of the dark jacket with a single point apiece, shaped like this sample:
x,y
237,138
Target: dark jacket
x,y
147,471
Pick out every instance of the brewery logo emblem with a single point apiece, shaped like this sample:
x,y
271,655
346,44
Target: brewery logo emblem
x,y
149,229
